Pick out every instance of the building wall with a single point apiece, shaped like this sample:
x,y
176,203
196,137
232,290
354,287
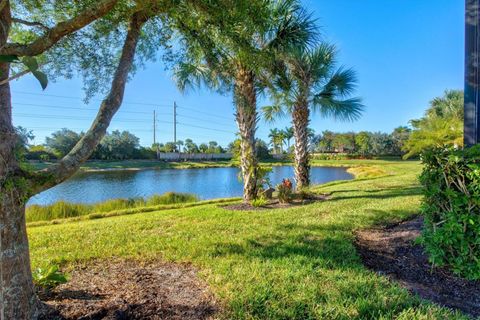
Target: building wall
x,y
176,156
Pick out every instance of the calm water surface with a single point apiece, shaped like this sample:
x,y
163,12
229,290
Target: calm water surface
x,y
207,183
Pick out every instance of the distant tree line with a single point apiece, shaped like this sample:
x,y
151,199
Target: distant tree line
x,y
188,146
116,145
441,126
363,143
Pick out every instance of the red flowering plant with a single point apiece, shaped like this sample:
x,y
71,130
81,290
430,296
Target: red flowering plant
x,y
285,191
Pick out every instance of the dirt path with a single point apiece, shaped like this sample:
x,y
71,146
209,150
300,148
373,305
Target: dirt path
x,y
131,290
391,251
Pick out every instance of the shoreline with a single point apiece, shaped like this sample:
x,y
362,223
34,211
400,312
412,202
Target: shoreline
x,y
141,165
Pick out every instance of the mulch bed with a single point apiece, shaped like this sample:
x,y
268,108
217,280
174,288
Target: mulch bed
x,y
275,204
391,251
131,290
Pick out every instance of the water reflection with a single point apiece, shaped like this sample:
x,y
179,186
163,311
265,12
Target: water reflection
x,y
207,183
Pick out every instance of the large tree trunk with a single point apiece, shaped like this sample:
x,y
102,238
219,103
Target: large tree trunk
x,y
17,296
246,116
300,117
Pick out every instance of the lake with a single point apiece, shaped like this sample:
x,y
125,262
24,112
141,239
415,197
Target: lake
x,y
208,183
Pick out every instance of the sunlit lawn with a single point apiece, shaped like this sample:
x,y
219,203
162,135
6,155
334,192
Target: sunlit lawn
x,y
297,263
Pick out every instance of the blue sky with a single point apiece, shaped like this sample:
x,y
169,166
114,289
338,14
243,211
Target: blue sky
x,y
405,53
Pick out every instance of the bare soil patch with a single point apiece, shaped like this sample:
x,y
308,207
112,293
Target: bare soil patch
x,y
131,290
391,251
275,204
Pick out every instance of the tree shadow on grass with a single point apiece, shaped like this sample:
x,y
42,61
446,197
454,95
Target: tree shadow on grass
x,y
292,241
329,247
381,194
304,251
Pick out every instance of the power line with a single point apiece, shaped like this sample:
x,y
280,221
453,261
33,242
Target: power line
x,y
75,118
80,129
78,98
205,128
205,113
209,121
43,116
125,102
79,108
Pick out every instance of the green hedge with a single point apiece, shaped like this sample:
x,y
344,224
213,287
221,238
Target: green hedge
x,y
451,207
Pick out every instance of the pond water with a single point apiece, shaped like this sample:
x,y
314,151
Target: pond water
x,y
208,183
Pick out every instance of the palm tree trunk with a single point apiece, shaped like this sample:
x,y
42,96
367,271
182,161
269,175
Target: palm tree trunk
x,y
300,117
246,115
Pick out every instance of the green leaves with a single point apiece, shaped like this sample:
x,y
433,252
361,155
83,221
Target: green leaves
x,y
451,209
31,64
8,58
42,78
49,278
442,125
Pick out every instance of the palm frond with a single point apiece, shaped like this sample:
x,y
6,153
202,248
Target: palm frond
x,y
342,110
191,75
292,26
320,61
273,112
342,83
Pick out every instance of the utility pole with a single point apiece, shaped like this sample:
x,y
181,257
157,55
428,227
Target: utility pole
x,y
175,124
154,128
155,134
472,77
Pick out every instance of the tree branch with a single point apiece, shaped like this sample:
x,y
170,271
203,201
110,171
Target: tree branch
x,y
59,31
31,23
67,166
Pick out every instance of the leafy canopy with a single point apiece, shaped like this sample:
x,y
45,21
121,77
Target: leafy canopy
x,y
441,126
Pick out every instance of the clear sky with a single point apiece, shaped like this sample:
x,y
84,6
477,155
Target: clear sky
x,y
405,53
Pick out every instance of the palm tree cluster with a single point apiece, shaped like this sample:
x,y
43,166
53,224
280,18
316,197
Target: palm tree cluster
x,y
280,138
281,55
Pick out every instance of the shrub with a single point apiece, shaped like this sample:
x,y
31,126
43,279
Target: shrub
x,y
451,207
263,179
171,198
48,278
118,204
58,210
285,190
305,194
259,202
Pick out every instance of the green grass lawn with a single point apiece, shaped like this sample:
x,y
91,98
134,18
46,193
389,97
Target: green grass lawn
x,y
296,263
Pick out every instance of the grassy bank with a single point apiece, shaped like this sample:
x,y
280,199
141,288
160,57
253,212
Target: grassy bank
x,y
295,263
62,209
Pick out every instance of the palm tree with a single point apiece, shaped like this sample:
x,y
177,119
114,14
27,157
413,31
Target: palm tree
x,y
241,67
277,138
312,82
179,144
288,133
